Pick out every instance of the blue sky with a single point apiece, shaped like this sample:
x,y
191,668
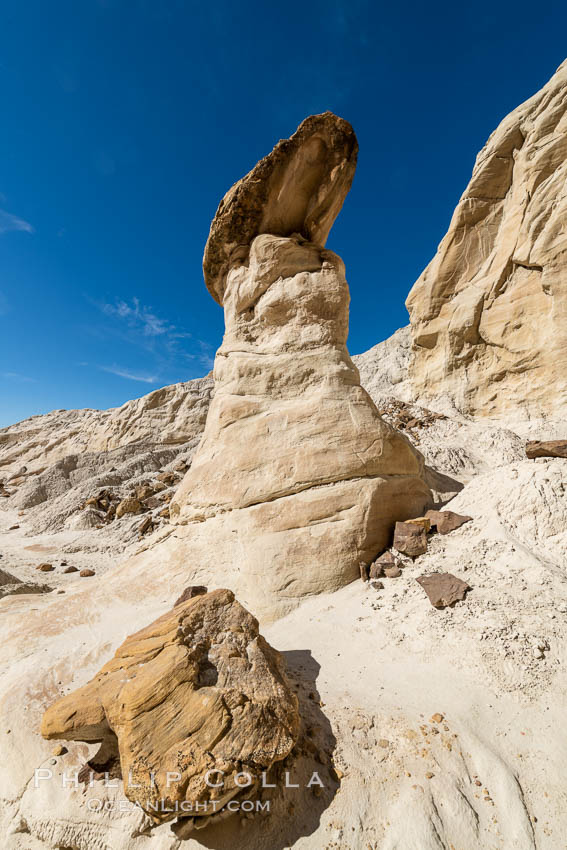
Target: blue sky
x,y
125,121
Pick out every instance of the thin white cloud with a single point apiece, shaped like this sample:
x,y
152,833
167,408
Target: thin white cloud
x,y
15,376
164,343
12,222
125,373
139,316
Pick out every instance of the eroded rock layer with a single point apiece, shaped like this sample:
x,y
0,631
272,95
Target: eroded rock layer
x,y
489,314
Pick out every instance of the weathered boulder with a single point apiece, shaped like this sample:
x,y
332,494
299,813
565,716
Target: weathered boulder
x,y
443,589
549,448
489,313
194,699
292,443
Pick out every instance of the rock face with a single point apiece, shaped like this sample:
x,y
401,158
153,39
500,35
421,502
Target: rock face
x,y
489,314
295,459
198,690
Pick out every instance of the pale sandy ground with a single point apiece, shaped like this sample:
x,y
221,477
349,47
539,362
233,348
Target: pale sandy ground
x,y
371,667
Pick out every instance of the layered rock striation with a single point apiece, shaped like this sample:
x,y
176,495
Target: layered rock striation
x,y
489,313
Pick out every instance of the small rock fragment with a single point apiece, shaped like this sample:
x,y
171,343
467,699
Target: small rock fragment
x,y
409,539
437,718
443,589
71,570
446,521
144,491
86,573
145,526
128,506
45,568
167,478
189,593
392,572
385,560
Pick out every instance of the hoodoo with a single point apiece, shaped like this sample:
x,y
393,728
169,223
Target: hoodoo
x,y
297,476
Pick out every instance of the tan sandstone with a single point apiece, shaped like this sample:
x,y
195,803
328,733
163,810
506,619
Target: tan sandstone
x,y
198,690
296,472
489,313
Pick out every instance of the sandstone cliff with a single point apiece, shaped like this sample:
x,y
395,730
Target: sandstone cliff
x,y
489,314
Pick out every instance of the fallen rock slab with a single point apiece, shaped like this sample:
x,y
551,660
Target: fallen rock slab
x,y
198,690
446,521
410,539
443,589
549,448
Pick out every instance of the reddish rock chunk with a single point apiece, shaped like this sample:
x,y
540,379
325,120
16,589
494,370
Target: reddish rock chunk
x,y
549,448
71,570
443,589
446,521
45,568
410,539
392,572
86,573
380,564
